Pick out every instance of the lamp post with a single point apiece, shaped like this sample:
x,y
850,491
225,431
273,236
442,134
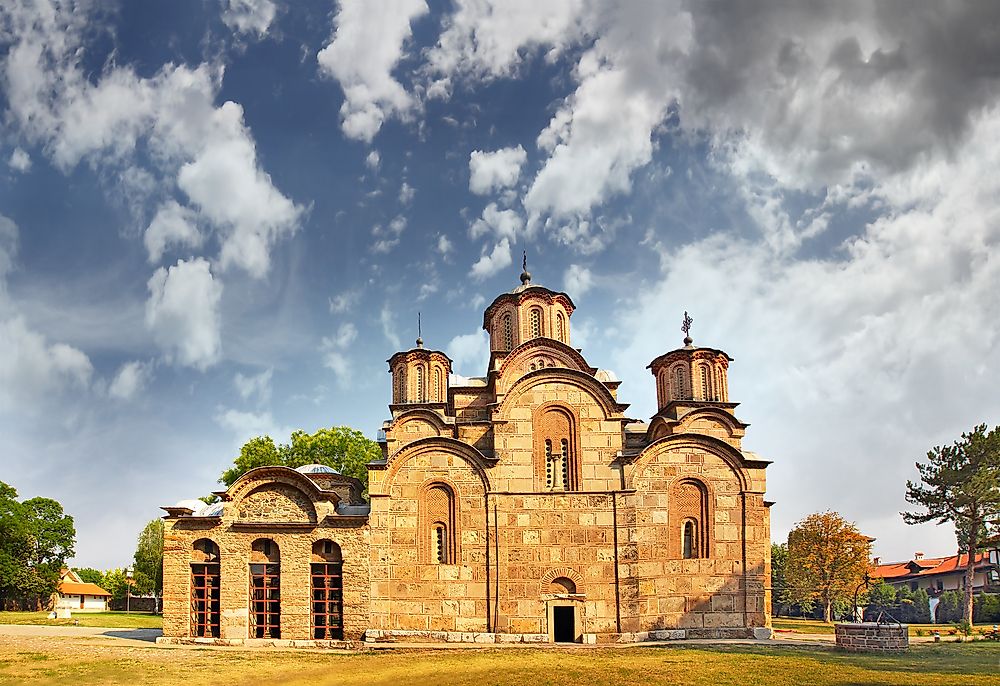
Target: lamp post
x,y
128,589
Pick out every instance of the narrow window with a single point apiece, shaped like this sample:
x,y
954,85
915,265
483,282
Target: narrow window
x,y
706,386
438,527
205,589
688,544
678,383
437,385
564,460
508,333
265,590
560,328
420,384
549,467
327,591
535,317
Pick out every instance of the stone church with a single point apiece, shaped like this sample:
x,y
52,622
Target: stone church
x,y
521,506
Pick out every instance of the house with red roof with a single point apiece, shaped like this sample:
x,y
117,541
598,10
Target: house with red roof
x,y
938,574
73,593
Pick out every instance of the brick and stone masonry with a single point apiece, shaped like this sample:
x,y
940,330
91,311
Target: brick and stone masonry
x,y
869,637
519,506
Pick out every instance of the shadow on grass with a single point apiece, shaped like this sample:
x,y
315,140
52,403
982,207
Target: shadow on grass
x,y
149,635
979,658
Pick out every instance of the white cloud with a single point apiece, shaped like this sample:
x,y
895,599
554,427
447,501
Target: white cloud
x,y
492,171
8,250
131,379
406,193
173,224
490,263
248,16
256,384
247,425
205,150
183,313
444,245
388,327
577,280
470,353
19,160
344,302
334,349
388,236
373,160
366,45
32,368
503,224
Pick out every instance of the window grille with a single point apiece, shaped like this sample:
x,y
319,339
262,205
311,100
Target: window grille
x,y
265,600
420,384
536,323
508,333
205,590
327,600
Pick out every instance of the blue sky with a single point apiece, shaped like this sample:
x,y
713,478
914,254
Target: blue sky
x,y
220,218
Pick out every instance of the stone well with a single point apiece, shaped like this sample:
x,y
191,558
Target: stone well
x,y
869,637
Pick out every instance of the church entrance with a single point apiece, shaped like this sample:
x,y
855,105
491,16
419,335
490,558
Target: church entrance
x,y
563,624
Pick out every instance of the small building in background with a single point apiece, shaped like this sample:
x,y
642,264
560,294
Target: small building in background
x,y
939,574
77,595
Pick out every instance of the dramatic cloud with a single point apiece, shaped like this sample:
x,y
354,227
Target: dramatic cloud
x,y
183,313
499,223
492,171
257,385
131,379
31,367
492,262
577,280
334,349
248,16
173,224
366,45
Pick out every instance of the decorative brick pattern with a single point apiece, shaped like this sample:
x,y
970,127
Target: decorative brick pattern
x,y
869,637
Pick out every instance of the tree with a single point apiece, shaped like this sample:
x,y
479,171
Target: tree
x,y
149,560
345,449
779,560
90,575
827,560
881,598
36,537
960,484
115,582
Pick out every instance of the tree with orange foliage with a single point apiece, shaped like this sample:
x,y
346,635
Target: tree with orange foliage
x,y
827,560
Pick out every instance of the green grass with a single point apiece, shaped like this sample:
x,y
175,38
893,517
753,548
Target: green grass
x,y
79,663
117,620
814,626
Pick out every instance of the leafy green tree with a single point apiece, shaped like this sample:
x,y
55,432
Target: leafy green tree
x,y
827,561
949,607
149,560
779,560
36,537
881,598
960,484
90,575
986,608
115,582
257,452
345,449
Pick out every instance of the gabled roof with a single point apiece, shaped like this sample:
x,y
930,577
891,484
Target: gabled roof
x,y
926,566
83,588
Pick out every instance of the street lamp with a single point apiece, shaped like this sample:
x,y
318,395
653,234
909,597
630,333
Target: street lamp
x,y
128,589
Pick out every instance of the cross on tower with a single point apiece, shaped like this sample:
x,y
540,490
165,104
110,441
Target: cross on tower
x,y
686,328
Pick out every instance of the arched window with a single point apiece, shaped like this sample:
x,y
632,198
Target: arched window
x,y
661,388
556,462
421,394
508,332
689,517
706,383
560,327
689,539
438,522
401,394
678,390
265,589
327,590
535,321
205,589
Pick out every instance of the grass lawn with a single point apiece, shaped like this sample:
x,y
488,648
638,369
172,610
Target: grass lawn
x,y
133,620
814,626
48,661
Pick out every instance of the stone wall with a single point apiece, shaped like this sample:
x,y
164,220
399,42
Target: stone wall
x,y
869,637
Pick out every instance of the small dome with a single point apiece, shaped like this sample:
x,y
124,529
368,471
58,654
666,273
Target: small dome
x,y
606,376
316,469
213,510
191,503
